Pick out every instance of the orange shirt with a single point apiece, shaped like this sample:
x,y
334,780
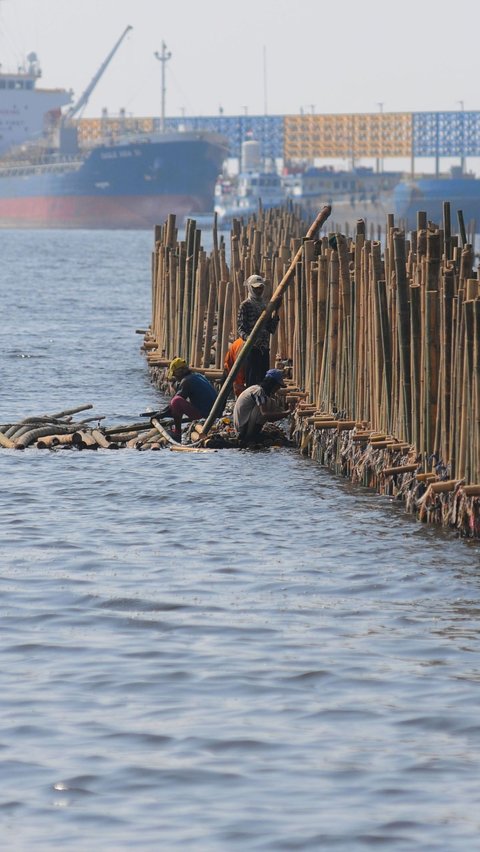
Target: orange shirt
x,y
230,358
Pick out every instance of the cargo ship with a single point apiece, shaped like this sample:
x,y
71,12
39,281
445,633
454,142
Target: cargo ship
x,y
49,180
427,193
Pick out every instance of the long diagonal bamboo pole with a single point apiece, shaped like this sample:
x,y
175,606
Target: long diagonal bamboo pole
x,y
221,399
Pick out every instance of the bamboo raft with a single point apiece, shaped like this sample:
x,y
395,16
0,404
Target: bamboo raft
x,y
59,431
381,345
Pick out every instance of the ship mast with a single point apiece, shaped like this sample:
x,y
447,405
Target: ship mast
x,y
83,99
163,57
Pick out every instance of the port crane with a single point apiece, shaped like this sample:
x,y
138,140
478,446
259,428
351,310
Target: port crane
x,y
84,97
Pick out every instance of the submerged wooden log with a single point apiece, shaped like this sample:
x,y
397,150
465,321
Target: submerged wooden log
x,y
49,441
100,439
143,438
33,434
6,442
84,441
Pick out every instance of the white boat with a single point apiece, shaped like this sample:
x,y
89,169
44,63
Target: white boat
x,y
239,198
357,193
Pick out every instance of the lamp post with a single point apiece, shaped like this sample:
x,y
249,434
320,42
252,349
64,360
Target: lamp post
x,y
163,57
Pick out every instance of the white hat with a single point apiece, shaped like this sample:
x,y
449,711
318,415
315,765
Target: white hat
x,y
255,281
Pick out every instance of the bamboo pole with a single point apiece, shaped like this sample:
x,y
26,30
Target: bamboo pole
x,y
447,231
403,334
200,308
212,298
476,394
220,315
227,322
330,398
461,225
386,348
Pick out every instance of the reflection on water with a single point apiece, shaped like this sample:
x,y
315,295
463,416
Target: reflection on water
x,y
222,651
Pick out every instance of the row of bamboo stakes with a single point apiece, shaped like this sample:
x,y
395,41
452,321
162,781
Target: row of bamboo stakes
x,y
376,229
387,335
196,296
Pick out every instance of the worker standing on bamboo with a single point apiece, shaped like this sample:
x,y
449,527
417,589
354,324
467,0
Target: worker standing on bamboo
x,y
258,359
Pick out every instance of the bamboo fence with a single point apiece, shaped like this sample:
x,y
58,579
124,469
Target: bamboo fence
x,y
384,335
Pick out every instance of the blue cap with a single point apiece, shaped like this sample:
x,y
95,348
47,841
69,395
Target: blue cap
x,y
277,377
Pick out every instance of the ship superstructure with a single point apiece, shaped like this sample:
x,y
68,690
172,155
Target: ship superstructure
x,y
26,110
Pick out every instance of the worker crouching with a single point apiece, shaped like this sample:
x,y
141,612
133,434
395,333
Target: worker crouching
x,y
255,407
194,396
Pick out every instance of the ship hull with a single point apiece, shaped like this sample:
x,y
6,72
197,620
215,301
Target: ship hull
x,y
428,195
90,212
134,185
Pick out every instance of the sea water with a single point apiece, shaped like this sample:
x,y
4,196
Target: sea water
x,y
227,651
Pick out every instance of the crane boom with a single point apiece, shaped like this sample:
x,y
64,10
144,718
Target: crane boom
x,y
83,99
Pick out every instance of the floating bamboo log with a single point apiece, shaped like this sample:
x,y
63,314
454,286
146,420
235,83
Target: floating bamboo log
x,y
6,442
59,431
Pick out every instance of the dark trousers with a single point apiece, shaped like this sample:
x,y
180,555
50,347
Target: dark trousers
x,y
252,436
257,364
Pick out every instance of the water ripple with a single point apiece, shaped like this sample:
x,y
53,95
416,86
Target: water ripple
x,y
229,651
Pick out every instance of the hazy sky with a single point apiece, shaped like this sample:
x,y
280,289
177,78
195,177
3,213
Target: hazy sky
x,y
250,54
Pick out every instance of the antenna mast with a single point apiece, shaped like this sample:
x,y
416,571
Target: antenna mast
x,y
163,57
265,107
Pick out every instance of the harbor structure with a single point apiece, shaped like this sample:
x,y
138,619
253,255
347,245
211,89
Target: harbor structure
x,y
59,169
301,144
347,136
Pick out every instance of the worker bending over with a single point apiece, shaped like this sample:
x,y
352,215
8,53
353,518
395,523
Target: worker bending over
x,y
254,407
194,395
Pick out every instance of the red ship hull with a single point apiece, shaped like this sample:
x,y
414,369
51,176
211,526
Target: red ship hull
x,y
132,211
